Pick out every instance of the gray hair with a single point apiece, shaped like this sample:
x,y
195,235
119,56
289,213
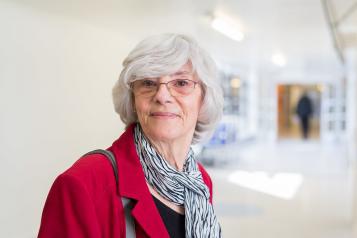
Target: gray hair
x,y
163,55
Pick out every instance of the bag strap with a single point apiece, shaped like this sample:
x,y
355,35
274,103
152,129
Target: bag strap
x,y
127,203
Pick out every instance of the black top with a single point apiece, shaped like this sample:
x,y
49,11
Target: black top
x,y
304,106
174,221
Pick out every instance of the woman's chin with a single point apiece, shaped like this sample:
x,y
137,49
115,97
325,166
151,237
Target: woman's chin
x,y
165,134
166,130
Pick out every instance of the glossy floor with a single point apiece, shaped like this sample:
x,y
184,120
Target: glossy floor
x,y
291,189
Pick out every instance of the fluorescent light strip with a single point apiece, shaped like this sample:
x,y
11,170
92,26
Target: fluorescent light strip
x,y
227,29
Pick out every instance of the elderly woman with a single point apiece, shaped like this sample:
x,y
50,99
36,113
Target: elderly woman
x,y
168,97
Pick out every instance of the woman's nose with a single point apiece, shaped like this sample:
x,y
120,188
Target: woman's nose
x,y
163,93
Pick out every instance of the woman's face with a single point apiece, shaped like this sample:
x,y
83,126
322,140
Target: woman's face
x,y
168,116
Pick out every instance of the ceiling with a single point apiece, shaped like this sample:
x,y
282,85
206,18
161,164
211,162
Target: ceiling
x,y
342,18
298,29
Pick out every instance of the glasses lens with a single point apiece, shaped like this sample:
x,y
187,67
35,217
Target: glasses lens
x,y
144,86
181,86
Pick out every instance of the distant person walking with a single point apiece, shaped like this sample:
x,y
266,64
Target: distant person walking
x,y
304,111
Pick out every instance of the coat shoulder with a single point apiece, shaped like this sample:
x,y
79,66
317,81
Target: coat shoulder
x,y
80,201
93,171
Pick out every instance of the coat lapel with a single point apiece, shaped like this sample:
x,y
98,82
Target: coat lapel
x,y
132,185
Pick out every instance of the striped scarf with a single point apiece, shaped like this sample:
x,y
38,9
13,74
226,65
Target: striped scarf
x,y
182,188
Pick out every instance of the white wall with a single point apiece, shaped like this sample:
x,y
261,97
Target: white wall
x,y
58,63
56,75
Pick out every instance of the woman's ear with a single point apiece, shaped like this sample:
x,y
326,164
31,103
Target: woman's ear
x,y
201,111
133,102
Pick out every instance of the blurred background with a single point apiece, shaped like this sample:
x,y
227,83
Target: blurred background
x,y
283,158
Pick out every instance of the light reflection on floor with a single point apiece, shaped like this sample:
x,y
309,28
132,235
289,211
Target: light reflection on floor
x,y
281,185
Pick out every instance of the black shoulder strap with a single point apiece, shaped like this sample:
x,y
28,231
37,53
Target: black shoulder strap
x,y
127,204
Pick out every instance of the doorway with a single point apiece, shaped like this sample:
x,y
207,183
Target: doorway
x,y
288,121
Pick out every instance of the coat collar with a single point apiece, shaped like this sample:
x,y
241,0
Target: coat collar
x,y
132,184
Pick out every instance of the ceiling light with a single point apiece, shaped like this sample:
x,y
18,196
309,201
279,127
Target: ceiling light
x,y
278,59
235,83
227,28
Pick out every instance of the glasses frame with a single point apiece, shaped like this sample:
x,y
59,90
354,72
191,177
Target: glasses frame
x,y
175,94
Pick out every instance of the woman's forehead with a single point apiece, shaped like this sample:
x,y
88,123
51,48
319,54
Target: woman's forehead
x,y
184,70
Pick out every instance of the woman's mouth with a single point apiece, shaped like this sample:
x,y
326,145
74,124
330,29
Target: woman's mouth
x,y
164,115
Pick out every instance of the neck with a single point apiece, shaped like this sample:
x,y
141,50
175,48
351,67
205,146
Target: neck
x,y
174,152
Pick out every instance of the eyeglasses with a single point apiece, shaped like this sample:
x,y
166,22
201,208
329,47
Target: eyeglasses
x,y
177,87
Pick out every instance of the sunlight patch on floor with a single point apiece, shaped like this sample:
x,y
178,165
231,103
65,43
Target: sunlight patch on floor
x,y
281,185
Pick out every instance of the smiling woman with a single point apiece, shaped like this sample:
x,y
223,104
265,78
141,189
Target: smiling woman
x,y
168,97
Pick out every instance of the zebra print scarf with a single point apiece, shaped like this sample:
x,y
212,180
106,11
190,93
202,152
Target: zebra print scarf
x,y
182,188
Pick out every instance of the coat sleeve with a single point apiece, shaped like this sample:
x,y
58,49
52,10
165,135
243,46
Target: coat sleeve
x,y
68,211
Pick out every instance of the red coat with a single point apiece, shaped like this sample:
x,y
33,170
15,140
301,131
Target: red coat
x,y
83,201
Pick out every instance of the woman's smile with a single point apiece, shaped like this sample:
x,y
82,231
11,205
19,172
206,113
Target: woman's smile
x,y
164,115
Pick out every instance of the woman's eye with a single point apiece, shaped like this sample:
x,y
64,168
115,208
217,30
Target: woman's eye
x,y
148,83
181,83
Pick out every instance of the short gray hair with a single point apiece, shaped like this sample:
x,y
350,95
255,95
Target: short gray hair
x,y
164,54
